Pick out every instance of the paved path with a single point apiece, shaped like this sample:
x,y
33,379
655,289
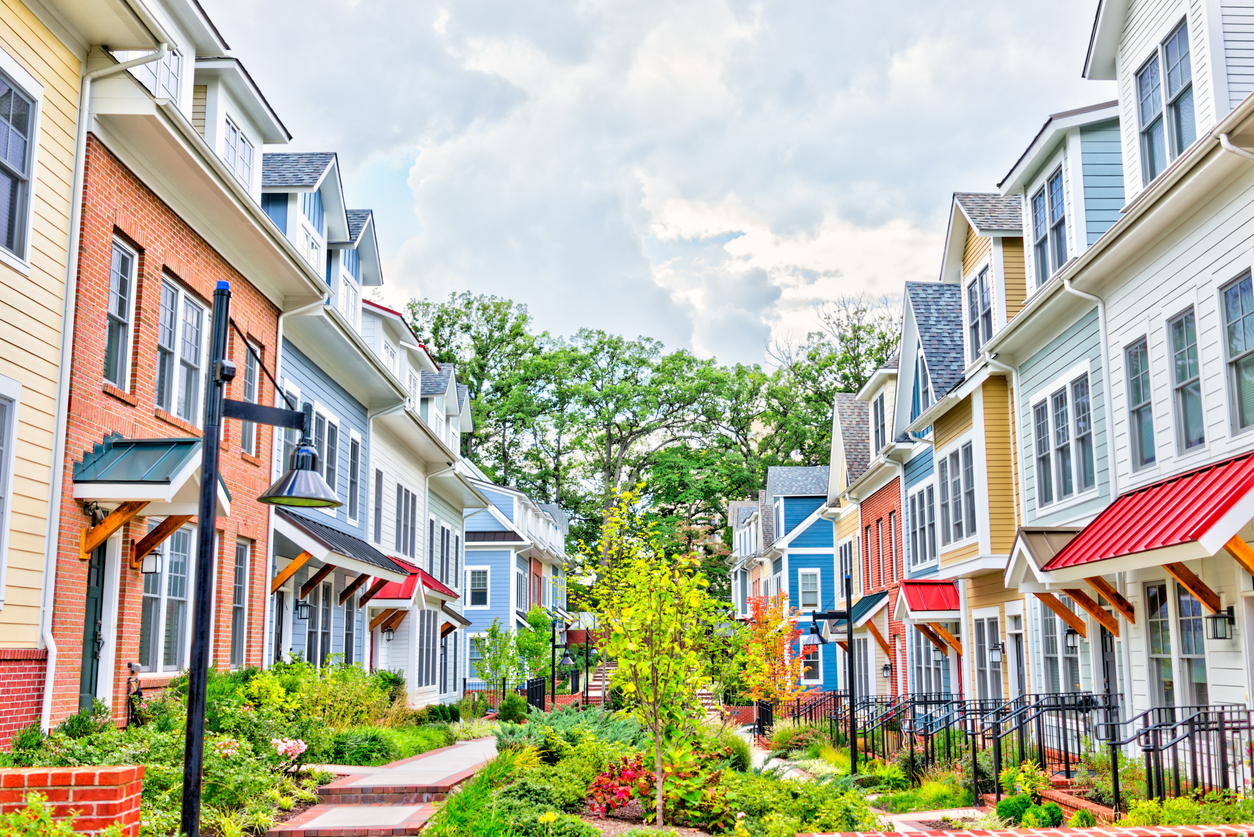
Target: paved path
x,y
395,799
913,820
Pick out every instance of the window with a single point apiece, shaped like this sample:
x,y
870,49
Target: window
x,y
1187,382
313,250
17,121
349,301
956,475
457,553
163,615
431,546
862,665
1192,648
121,307
929,674
327,442
474,659
1086,477
248,430
922,527
846,568
987,672
181,336
1062,665
406,521
881,436
389,357
287,438
10,392
1140,405
378,506
413,389
1040,237
1057,220
1062,429
979,312
239,598
1062,444
1163,141
1239,325
354,476
1158,619
479,587
160,77
892,546
237,154
921,397
350,629
446,542
318,627
879,547
811,665
521,599
808,581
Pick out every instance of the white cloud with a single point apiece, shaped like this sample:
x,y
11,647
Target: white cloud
x,y
701,171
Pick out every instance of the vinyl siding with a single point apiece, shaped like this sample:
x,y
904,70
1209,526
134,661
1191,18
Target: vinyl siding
x,y
919,468
796,510
500,565
1078,341
999,465
953,424
300,627
484,521
503,501
30,316
975,252
962,553
318,388
817,534
398,466
1015,278
1102,165
450,515
988,591
200,97
1238,37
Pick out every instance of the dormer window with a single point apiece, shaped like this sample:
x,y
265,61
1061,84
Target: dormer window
x,y
922,395
389,357
412,386
1057,220
1049,227
979,312
1162,140
237,153
877,417
160,77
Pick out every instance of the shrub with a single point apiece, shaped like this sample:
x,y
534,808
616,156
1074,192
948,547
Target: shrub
x,y
512,709
1053,814
343,695
35,820
392,682
1082,818
733,750
362,746
1033,817
1012,808
791,737
1031,780
467,730
87,722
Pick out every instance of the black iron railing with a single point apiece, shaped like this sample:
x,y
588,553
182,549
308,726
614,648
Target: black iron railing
x,y
537,693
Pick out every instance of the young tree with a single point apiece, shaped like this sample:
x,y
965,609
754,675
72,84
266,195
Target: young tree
x,y
498,654
772,669
535,643
657,615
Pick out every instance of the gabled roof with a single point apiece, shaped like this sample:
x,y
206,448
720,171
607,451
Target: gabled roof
x,y
893,360
294,170
357,220
738,511
463,393
855,432
989,212
436,383
928,600
1043,145
937,310
796,481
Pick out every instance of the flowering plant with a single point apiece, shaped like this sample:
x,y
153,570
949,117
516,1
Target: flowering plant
x,y
227,747
618,784
289,749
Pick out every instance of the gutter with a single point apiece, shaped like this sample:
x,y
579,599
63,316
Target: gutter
x,y
1106,381
67,353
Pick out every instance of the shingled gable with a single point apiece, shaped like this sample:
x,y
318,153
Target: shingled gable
x,y
853,417
937,309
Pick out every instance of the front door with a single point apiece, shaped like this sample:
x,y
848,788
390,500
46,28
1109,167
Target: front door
x,y
1021,680
1110,677
93,633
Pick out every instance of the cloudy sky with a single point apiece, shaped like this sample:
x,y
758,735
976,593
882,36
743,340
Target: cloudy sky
x,y
699,171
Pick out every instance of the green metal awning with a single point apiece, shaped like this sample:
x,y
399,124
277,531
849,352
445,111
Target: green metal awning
x,y
863,609
165,473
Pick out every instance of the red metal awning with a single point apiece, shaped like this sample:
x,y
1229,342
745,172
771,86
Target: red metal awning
x,y
405,589
928,600
1191,515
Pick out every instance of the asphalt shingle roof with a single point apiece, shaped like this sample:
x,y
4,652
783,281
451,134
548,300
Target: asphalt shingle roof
x,y
796,481
357,219
855,432
893,361
463,392
436,383
767,517
938,315
738,511
991,212
297,170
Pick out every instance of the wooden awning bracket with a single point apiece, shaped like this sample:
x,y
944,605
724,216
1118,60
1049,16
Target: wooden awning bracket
x,y
933,638
290,570
160,533
372,592
351,587
1189,581
382,617
943,633
91,537
1092,608
315,580
1116,599
879,637
1241,552
1064,613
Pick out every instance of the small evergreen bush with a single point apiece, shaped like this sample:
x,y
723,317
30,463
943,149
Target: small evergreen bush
x,y
512,709
1012,807
1082,818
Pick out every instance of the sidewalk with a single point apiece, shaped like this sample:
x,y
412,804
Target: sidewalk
x,y
395,799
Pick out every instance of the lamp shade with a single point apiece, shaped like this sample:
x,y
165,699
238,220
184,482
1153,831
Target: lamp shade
x,y
810,640
388,633
566,661
938,656
301,486
152,562
301,611
888,670
1073,639
1219,625
994,653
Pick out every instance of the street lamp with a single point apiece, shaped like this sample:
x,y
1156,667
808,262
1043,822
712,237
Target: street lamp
x,y
301,486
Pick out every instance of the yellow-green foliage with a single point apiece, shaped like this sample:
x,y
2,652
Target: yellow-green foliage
x,y
266,691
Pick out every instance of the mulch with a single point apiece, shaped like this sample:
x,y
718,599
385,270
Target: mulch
x,y
632,816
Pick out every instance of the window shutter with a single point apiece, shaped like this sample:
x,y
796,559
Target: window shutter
x,y
431,547
457,554
400,511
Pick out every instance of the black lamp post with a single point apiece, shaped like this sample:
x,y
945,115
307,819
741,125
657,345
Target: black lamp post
x,y
301,485
847,615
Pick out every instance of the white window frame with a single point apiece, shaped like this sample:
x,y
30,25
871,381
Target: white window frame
x,y
818,589
30,88
231,152
470,590
10,395
445,555
879,425
1137,463
818,669
329,420
249,430
354,495
1233,360
1045,396
166,74
471,672
921,491
183,301
979,283
376,510
1178,386
242,605
946,502
389,357
987,673
128,342
158,634
281,439
1173,145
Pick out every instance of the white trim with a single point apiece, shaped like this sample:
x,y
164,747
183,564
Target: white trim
x,y
247,590
29,86
330,418
1044,395
917,489
470,590
110,594
11,390
956,446
124,383
818,582
819,652
354,436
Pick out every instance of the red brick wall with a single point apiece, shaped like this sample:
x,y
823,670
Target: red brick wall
x,y
881,507
97,796
116,203
21,689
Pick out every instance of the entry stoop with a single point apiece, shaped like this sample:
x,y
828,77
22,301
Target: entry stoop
x,y
333,820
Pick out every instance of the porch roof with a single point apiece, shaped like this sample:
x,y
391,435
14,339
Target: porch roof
x,y
330,546
928,600
863,609
1190,515
404,590
164,473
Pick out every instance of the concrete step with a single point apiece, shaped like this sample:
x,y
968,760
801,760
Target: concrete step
x,y
333,820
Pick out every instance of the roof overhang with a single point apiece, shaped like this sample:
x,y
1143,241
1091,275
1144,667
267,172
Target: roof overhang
x,y
231,74
877,475
459,488
301,539
418,437
972,567
1033,547
175,492
156,141
1047,141
334,346
878,378
928,600
111,22
1099,62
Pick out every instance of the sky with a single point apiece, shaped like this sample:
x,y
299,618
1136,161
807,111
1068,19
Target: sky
x,y
704,172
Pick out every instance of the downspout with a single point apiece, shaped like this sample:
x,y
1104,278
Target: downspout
x,y
268,612
67,352
1016,426
1106,382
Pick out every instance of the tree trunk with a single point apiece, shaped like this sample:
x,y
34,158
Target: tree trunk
x,y
657,780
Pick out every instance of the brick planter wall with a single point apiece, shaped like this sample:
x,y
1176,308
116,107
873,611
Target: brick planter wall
x,y
1068,803
98,796
21,689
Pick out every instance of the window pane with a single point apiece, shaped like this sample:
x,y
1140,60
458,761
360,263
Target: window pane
x,y
1062,444
190,381
117,339
1085,476
1044,477
968,488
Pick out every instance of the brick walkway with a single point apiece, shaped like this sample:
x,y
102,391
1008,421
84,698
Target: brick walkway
x,y
396,799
